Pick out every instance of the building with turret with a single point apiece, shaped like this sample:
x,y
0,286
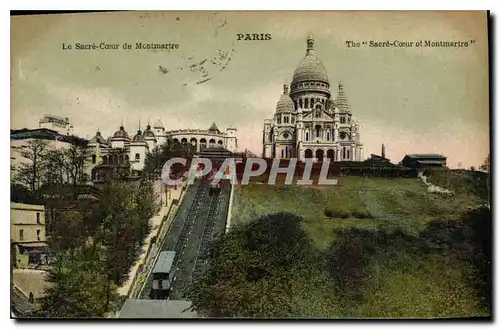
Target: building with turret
x,y
309,122
135,149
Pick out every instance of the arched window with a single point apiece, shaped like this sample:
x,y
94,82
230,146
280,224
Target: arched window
x,y
295,103
306,105
137,157
318,131
94,158
328,135
203,143
307,135
300,102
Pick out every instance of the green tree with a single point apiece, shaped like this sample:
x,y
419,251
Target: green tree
x,y
68,166
155,160
267,268
30,172
486,164
77,286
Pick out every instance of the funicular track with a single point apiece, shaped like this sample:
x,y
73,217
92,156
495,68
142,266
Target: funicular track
x,y
196,205
211,232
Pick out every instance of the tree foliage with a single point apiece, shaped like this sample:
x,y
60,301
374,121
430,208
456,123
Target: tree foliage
x,y
30,172
268,268
263,269
90,263
172,149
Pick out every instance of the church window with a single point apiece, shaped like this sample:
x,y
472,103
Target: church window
x,y
343,153
348,153
287,119
328,136
278,119
295,103
306,105
137,157
285,135
318,131
282,153
94,158
307,135
300,103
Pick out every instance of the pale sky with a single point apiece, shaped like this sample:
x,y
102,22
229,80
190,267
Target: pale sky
x,y
414,100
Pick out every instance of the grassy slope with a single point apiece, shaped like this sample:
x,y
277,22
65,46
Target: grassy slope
x,y
399,283
395,202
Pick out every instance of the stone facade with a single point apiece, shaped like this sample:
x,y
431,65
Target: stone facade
x,y
309,122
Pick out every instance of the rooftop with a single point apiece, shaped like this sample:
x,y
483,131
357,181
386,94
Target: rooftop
x,y
156,309
425,156
164,262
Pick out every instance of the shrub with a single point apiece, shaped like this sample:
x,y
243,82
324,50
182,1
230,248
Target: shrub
x,y
336,213
361,213
332,212
344,214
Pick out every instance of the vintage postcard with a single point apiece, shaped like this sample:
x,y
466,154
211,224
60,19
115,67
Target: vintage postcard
x,y
305,165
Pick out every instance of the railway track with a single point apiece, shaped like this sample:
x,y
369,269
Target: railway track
x,y
196,205
210,233
191,234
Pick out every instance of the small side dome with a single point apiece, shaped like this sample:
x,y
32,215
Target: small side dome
x,y
121,133
98,139
148,133
341,101
138,136
285,103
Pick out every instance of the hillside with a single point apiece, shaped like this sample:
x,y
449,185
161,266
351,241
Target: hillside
x,y
387,249
398,202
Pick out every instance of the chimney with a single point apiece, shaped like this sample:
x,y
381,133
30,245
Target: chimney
x,y
383,151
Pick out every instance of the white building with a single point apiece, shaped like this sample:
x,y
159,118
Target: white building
x,y
144,142
309,122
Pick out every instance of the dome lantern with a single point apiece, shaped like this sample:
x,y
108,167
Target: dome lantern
x,y
310,45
